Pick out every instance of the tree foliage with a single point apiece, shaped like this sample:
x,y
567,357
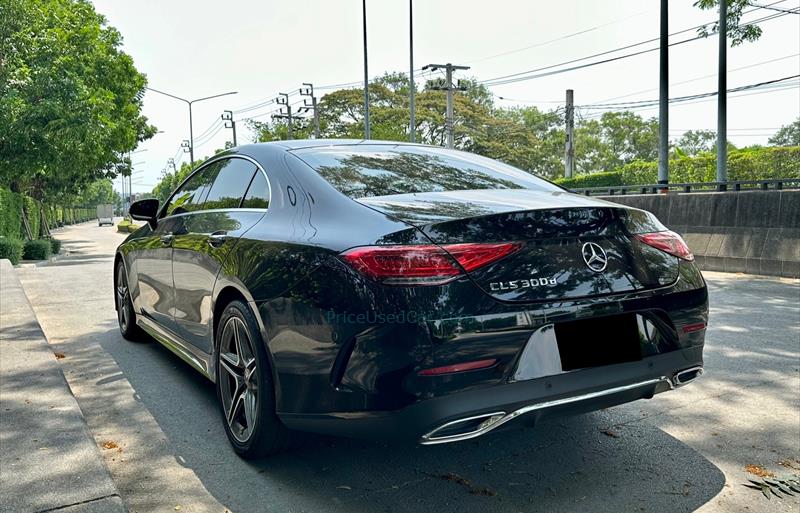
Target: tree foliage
x,y
70,99
788,135
737,33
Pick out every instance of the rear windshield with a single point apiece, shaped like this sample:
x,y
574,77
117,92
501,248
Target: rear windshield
x,y
381,170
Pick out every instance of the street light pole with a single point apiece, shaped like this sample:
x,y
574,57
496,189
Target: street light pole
x,y
722,99
412,133
189,103
366,73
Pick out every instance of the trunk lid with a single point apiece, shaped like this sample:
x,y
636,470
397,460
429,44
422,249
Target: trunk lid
x,y
571,246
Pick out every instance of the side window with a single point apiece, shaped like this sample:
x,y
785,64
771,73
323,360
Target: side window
x,y
230,184
258,193
192,194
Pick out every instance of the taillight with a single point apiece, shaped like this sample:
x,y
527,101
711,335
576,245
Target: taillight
x,y
424,264
668,242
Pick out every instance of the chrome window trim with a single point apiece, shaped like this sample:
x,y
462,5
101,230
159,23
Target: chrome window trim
x,y
210,161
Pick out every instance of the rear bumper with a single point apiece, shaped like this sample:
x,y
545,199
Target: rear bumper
x,y
459,416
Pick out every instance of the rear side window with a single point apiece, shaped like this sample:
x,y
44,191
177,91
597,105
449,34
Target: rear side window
x,y
381,170
258,193
191,195
230,184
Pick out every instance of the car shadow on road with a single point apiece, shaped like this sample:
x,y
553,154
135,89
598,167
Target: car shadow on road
x,y
581,463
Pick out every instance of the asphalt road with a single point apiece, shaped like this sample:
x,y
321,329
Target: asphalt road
x,y
685,450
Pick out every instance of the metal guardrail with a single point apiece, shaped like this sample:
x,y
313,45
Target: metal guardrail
x,y
732,186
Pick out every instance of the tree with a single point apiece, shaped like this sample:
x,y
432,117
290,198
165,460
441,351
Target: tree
x,y
788,135
737,33
70,100
697,141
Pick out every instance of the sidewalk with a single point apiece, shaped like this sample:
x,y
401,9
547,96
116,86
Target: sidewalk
x,y
48,459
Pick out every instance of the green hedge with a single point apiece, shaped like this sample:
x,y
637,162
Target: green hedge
x,y
11,249
608,179
36,249
746,164
11,224
55,246
10,213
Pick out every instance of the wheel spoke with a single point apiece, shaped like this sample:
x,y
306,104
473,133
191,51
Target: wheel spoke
x,y
236,404
249,408
231,366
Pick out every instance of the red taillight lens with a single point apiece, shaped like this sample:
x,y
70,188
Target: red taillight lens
x,y
458,367
668,242
424,264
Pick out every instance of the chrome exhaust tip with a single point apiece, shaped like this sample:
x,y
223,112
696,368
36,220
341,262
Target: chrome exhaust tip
x,y
686,376
463,429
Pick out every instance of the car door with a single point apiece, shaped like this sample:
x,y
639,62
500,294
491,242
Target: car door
x,y
153,253
204,239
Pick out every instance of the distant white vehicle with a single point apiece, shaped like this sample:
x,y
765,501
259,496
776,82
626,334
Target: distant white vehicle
x,y
105,215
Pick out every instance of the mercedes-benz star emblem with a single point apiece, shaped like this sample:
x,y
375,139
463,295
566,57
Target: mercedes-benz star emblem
x,y
595,257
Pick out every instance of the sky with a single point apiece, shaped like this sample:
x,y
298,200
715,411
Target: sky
x,y
259,48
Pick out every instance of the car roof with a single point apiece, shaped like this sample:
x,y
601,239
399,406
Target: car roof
x,y
298,144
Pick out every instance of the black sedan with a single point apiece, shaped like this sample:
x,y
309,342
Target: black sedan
x,y
384,289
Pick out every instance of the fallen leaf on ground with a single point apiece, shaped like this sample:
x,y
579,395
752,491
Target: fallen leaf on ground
x,y
758,470
60,356
343,487
612,434
109,444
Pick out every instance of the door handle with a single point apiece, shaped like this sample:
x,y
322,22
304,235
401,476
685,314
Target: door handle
x,y
217,239
167,238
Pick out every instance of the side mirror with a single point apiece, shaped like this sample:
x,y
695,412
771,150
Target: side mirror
x,y
145,210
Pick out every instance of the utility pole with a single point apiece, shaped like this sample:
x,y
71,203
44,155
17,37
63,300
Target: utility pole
x,y
569,156
448,68
663,98
227,117
722,99
366,73
309,91
412,125
171,163
283,100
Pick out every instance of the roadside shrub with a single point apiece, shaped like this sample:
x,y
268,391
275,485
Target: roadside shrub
x,y
55,246
744,164
11,249
607,179
36,249
127,226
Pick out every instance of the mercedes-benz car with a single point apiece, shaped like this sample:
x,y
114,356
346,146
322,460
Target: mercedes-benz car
x,y
381,289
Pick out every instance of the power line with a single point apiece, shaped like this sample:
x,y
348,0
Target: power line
x,y
688,97
555,40
528,75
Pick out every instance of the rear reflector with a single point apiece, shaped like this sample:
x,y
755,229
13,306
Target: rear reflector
x,y
668,242
424,264
691,328
458,367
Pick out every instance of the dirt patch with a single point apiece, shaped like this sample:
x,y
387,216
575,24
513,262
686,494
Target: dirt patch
x,y
474,490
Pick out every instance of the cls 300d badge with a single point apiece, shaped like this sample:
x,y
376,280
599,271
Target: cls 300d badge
x,y
522,284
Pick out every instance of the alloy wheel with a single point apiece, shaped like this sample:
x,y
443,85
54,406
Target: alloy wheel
x,y
238,380
123,305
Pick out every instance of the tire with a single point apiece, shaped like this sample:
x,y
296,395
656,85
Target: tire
x,y
245,389
126,317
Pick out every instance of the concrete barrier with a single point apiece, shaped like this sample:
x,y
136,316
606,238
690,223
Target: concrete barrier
x,y
756,232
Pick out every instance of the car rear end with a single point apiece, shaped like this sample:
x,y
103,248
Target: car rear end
x,y
506,304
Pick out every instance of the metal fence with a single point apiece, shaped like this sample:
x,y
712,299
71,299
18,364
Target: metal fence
x,y
732,185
